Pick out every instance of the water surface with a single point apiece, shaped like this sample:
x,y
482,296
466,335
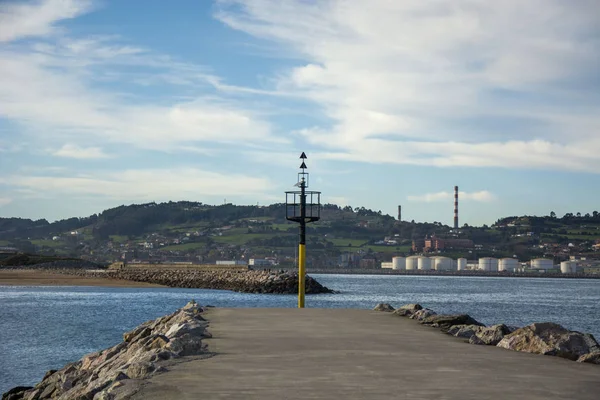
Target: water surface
x,y
43,328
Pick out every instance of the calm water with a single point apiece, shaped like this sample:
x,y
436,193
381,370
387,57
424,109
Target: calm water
x,y
43,328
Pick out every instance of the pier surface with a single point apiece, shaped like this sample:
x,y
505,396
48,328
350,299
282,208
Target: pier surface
x,y
359,354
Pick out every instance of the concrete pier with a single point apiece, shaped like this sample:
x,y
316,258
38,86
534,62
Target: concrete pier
x,y
359,354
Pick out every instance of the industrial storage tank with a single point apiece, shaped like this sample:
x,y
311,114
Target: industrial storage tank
x,y
568,267
461,264
424,263
399,263
412,263
488,264
542,263
443,264
508,264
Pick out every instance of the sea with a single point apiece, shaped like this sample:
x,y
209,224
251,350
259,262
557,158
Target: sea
x,y
44,328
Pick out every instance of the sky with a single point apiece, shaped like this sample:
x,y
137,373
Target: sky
x,y
106,102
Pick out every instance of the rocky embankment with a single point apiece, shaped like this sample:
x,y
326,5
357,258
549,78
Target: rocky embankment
x,y
240,281
545,338
116,373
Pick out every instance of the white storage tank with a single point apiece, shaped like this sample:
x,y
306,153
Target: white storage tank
x,y
424,263
443,264
568,267
412,263
508,264
542,263
488,264
399,263
461,264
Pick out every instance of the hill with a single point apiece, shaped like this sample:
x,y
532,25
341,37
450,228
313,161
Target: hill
x,y
196,232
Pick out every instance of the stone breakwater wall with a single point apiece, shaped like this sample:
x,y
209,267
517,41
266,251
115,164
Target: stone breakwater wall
x,y
545,338
239,281
117,372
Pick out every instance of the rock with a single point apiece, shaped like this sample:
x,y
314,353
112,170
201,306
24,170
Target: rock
x,y
186,345
192,328
592,358
383,307
137,357
48,374
422,314
550,339
140,370
463,331
446,321
160,342
129,336
476,340
48,391
16,393
491,335
408,309
403,312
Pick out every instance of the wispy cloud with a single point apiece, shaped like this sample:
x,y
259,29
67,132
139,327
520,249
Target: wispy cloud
x,y
4,201
27,19
480,196
70,89
467,83
142,184
74,151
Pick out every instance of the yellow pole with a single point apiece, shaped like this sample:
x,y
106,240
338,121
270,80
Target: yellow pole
x,y
301,274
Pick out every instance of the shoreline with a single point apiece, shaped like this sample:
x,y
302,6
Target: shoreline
x,y
43,277
392,272
33,277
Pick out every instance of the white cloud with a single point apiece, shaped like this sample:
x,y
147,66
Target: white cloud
x,y
62,89
142,184
74,151
35,18
4,201
403,82
480,196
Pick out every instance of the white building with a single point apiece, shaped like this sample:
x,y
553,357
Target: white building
x,y
231,262
260,262
387,265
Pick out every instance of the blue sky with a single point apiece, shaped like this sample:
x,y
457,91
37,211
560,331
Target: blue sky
x,y
105,103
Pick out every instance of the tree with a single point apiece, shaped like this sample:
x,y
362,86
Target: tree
x,y
552,214
578,215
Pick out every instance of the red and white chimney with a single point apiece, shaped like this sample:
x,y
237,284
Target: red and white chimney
x,y
455,207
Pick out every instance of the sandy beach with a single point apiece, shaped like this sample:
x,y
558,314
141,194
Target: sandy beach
x,y
46,278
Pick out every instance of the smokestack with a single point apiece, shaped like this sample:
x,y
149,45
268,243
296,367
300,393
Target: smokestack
x,y
399,213
455,207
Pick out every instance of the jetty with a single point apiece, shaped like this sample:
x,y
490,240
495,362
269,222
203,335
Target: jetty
x,y
385,353
359,354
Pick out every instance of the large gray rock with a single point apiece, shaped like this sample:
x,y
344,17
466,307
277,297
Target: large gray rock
x,y
463,331
422,314
550,339
408,309
383,307
16,393
592,358
490,335
446,321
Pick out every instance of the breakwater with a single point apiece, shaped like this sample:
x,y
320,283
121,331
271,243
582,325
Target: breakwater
x,y
116,373
264,281
544,338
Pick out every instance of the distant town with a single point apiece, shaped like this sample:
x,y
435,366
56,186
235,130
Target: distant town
x,y
345,238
